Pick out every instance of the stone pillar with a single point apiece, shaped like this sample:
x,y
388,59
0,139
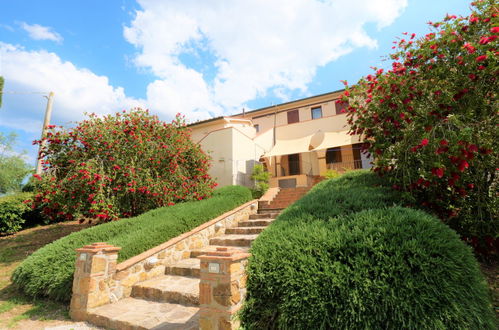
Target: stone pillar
x,y
222,288
95,266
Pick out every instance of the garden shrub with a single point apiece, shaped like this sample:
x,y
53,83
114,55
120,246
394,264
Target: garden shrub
x,y
332,174
378,268
13,211
431,121
118,166
49,271
261,177
352,192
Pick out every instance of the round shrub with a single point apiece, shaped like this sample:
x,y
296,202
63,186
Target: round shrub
x,y
118,166
394,268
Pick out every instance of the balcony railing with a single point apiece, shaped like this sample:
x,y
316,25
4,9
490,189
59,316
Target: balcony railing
x,y
345,165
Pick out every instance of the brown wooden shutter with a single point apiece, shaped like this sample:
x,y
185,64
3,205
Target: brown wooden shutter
x,y
293,116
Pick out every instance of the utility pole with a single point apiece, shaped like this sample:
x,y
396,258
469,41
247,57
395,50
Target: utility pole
x,y
46,122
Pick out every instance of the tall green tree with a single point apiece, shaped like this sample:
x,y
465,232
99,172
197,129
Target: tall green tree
x,y
13,167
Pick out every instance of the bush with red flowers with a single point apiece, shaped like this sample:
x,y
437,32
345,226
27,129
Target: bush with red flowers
x,y
118,166
431,121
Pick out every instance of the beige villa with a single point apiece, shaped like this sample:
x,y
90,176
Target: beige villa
x,y
296,141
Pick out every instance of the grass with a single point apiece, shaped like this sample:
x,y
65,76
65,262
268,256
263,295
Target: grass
x,y
18,311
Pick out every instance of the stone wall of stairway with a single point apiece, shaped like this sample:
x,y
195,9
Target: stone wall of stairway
x,y
153,262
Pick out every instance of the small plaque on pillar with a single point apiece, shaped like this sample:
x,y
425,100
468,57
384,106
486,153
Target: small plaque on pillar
x,y
214,267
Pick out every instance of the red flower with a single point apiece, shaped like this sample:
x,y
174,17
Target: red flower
x,y
481,58
424,142
469,48
485,40
439,172
495,29
473,148
463,165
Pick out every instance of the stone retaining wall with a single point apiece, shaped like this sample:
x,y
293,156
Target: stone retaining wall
x,y
116,281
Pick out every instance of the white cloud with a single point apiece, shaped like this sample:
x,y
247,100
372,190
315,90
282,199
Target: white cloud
x,y
77,90
259,46
39,32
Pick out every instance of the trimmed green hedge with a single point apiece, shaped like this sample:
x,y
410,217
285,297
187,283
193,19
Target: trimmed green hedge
x,y
343,257
14,213
49,271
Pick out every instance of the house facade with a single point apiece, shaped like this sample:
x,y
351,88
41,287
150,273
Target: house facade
x,y
296,141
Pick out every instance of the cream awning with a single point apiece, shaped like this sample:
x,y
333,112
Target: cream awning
x,y
318,141
288,147
337,139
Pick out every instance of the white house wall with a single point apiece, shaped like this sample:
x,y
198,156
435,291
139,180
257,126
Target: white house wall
x,y
218,144
245,154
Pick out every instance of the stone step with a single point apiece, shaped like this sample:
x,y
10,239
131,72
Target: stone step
x,y
269,208
213,248
233,240
185,267
285,198
169,288
140,314
244,230
254,223
268,215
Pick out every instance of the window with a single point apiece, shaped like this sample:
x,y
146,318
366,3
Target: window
x,y
341,107
293,116
257,128
316,112
357,158
294,164
333,155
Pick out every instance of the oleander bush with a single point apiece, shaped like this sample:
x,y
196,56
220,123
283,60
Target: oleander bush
x,y
344,257
119,166
431,121
49,271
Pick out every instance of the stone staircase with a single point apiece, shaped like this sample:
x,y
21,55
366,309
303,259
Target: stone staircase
x,y
171,301
288,196
284,198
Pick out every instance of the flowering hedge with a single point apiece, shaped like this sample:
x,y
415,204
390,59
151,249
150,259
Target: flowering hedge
x,y
119,166
431,121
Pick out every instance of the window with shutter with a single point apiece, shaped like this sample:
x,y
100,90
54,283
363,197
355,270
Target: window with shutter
x,y
293,116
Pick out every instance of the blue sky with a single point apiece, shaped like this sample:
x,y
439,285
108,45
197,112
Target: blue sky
x,y
201,58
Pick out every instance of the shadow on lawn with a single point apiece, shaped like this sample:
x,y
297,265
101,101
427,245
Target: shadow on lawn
x,y
15,306
17,247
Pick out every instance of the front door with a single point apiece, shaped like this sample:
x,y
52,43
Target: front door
x,y
294,164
